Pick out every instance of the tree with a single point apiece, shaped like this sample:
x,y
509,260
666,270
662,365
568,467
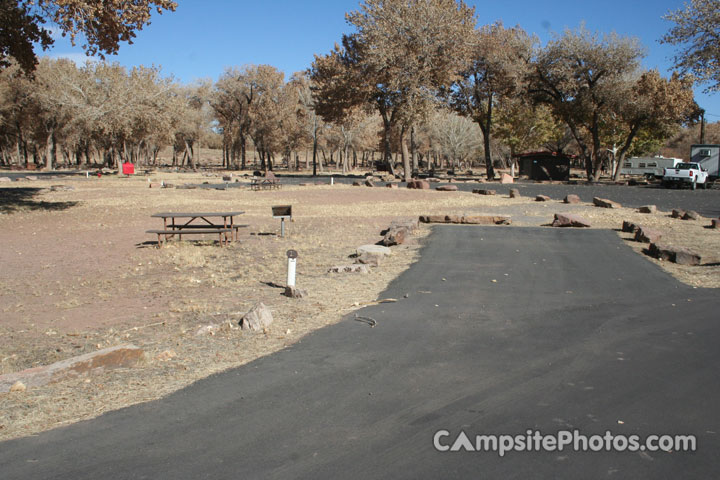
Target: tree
x,y
697,32
102,24
654,106
577,75
402,52
498,69
455,136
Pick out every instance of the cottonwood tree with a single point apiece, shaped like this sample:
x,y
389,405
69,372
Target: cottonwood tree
x,y
103,25
401,53
697,33
497,72
653,105
233,94
577,75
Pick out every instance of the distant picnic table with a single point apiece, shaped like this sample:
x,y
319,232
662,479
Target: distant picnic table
x,y
268,181
198,223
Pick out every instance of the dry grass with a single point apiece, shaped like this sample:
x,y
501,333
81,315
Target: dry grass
x,y
81,278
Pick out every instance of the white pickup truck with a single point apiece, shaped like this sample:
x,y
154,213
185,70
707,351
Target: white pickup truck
x,y
685,174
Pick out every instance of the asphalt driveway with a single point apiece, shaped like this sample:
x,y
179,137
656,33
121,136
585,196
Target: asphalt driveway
x,y
503,330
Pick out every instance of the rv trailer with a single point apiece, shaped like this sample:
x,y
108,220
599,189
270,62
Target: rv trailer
x,y
707,156
648,166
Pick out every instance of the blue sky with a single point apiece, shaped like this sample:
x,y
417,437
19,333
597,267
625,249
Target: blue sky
x,y
203,37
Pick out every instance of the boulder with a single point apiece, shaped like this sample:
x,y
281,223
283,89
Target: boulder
x,y
515,193
31,177
572,198
391,185
647,235
605,203
485,220
356,184
677,213
5,179
569,220
630,227
481,191
294,292
648,209
419,184
447,188
369,183
258,318
356,268
505,178
715,224
542,198
411,225
681,256
372,259
395,236
691,215
121,356
375,249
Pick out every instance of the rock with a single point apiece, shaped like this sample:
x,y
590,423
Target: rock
x,y
18,387
542,198
572,198
121,356
258,318
411,225
31,177
356,268
481,191
485,220
447,188
605,203
294,292
391,185
715,224
569,220
372,259
648,209
681,256
369,183
373,249
395,236
357,184
647,235
515,193
677,213
433,219
630,227
227,178
419,184
691,215
5,179
505,178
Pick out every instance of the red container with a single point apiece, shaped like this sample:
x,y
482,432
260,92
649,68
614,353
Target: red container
x,y
128,168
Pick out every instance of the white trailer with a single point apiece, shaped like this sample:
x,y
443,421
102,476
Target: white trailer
x,y
708,156
648,166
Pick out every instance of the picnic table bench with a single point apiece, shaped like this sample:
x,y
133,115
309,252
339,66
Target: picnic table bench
x,y
173,225
269,181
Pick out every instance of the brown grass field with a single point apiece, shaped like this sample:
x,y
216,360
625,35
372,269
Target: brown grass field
x,y
79,274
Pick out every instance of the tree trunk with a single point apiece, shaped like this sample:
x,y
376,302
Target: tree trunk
x,y
49,150
407,174
314,155
413,150
489,168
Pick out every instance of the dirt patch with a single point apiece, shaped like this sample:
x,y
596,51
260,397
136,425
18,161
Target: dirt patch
x,y
79,274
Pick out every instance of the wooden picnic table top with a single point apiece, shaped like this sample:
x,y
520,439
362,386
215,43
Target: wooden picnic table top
x,y
195,215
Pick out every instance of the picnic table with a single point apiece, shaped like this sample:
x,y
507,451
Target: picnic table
x,y
268,181
198,223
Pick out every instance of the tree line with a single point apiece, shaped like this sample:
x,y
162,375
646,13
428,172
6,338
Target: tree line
x,y
417,81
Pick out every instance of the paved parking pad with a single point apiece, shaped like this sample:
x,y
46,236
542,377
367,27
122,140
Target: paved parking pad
x,y
504,330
